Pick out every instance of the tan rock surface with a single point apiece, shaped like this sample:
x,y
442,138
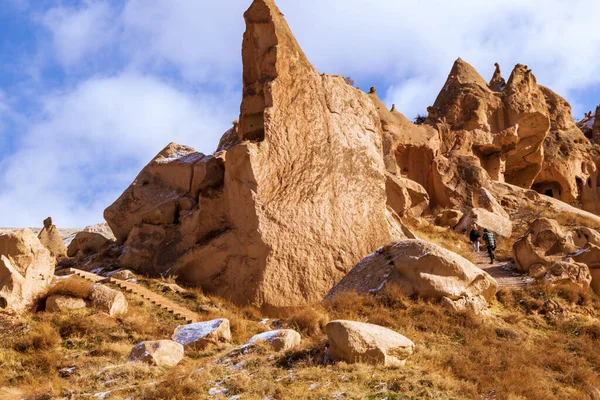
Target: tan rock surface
x,y
51,239
202,334
26,270
569,273
545,241
161,353
59,303
449,218
493,222
358,342
421,268
406,197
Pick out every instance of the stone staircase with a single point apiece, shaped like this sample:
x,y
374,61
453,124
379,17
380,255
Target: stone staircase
x,y
160,301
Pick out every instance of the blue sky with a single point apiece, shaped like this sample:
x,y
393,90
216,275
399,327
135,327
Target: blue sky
x,y
91,90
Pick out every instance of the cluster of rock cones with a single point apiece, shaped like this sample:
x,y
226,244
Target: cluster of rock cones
x,y
316,174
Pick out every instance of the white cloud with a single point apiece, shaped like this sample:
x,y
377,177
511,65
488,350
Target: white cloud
x,y
93,141
201,38
80,32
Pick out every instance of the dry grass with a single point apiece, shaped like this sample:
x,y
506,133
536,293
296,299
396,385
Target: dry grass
x,y
539,344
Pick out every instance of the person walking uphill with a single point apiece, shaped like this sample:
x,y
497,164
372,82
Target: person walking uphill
x,y
474,237
490,242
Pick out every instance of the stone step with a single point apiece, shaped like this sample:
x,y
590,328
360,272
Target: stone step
x,y
156,299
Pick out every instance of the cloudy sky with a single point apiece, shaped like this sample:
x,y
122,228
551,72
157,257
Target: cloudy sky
x,y
91,90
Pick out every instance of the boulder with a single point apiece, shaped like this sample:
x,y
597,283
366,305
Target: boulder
x,y
160,353
87,243
202,334
496,223
358,342
108,300
253,236
569,273
59,303
421,268
26,270
51,239
449,218
278,340
122,274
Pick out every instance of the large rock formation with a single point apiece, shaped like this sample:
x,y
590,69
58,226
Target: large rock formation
x,y
51,239
424,269
521,133
276,219
26,270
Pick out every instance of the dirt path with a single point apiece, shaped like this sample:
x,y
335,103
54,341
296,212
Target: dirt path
x,y
504,273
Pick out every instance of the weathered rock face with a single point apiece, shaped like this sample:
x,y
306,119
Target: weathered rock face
x,y
298,202
51,239
154,198
358,342
406,197
556,255
202,334
161,353
26,270
545,239
421,268
449,218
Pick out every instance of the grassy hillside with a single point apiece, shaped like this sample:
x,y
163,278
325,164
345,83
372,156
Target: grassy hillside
x,y
538,344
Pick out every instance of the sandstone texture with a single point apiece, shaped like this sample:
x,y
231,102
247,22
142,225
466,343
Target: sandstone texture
x,y
272,220
26,270
421,268
51,239
160,353
358,342
449,218
558,255
203,334
59,303
278,340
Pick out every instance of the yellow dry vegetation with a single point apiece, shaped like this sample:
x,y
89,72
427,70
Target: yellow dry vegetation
x,y
538,344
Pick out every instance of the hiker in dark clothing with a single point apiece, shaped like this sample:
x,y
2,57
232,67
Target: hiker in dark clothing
x,y
490,242
474,237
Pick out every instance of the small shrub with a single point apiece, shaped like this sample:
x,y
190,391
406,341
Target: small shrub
x,y
309,321
349,80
